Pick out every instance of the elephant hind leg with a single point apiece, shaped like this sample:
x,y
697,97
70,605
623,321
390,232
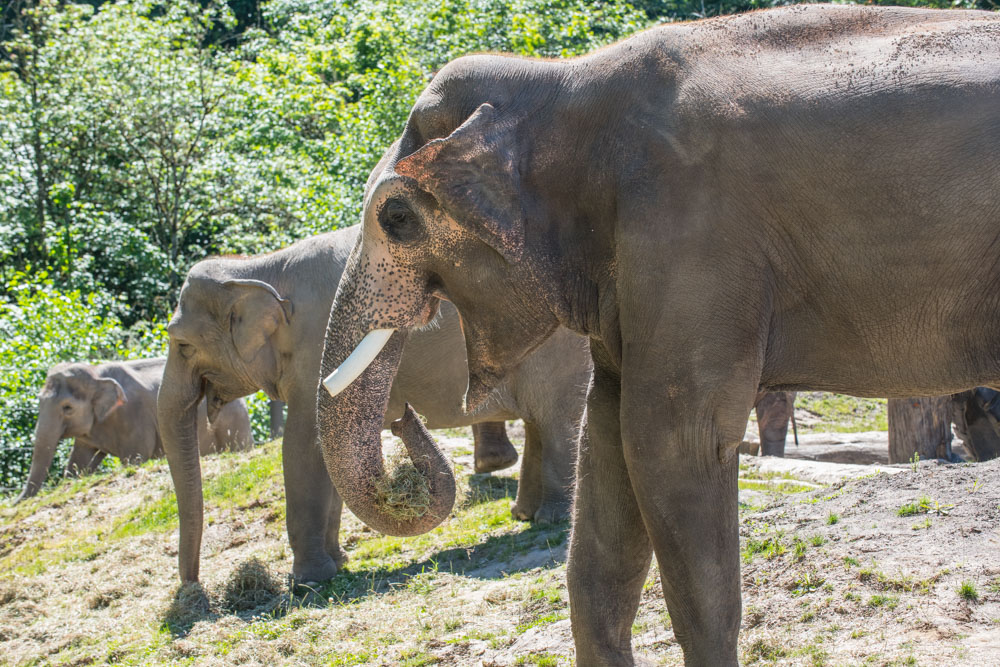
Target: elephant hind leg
x,y
544,491
493,449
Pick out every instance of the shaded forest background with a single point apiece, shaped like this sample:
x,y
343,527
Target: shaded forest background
x,y
137,137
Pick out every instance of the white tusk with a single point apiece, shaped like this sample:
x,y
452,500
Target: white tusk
x,y
364,354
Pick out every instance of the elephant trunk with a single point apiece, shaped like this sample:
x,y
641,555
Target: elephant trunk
x,y
350,427
48,433
177,411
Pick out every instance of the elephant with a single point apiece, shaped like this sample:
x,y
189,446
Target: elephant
x,y
245,324
976,416
110,408
803,198
774,410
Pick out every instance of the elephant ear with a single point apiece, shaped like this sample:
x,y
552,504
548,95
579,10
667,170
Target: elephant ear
x,y
257,312
473,174
108,397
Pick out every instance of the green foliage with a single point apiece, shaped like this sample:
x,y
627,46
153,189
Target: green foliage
x,y
137,137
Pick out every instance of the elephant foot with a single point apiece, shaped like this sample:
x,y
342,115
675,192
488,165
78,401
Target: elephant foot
x,y
317,571
493,450
339,557
496,462
552,511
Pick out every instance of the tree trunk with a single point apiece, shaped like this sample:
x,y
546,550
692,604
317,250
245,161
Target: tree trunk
x,y
919,426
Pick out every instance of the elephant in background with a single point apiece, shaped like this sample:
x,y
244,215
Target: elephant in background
x,y
245,324
110,408
803,198
774,411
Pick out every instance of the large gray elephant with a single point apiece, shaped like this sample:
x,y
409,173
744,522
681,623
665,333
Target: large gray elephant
x,y
110,408
244,324
802,198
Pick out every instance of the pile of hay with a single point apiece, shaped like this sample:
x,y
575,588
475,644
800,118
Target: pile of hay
x,y
251,587
402,492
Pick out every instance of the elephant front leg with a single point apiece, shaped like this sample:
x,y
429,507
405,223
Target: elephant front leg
x,y
681,458
609,552
83,460
310,498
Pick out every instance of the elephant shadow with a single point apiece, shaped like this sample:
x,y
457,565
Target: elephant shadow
x,y
253,593
190,604
536,546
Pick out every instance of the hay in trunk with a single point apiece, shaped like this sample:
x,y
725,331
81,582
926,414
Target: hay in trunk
x,y
402,492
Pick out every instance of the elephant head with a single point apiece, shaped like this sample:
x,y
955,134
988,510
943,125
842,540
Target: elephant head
x,y
221,348
73,399
446,216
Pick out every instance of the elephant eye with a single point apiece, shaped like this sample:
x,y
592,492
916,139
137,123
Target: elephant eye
x,y
67,409
399,221
185,349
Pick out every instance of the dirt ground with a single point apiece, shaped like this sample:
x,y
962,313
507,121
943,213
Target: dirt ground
x,y
883,569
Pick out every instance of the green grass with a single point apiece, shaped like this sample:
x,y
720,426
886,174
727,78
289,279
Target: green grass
x,y
159,516
539,659
547,619
242,485
842,413
754,485
769,547
878,601
924,505
967,591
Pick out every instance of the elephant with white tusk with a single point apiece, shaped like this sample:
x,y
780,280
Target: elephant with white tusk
x,y
803,198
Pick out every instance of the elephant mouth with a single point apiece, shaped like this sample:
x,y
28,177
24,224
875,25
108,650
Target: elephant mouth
x,y
369,348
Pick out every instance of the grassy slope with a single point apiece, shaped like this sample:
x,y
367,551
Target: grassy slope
x,y
87,576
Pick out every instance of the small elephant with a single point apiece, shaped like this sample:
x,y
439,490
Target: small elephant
x,y
110,408
257,323
774,410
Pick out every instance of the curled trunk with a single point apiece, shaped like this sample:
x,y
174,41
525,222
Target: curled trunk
x,y
48,433
350,428
177,411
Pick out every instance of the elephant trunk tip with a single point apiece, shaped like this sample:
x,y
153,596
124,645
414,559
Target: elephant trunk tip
x,y
417,486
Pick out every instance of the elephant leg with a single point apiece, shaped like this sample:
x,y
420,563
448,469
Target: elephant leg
x,y
309,496
545,490
530,481
609,552
333,528
680,449
493,450
689,506
83,460
276,411
774,410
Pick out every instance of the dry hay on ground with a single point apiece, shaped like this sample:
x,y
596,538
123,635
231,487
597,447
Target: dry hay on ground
x,y
865,573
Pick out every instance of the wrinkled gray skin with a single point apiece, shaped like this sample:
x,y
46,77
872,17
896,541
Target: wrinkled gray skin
x,y
244,324
110,408
774,410
802,198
